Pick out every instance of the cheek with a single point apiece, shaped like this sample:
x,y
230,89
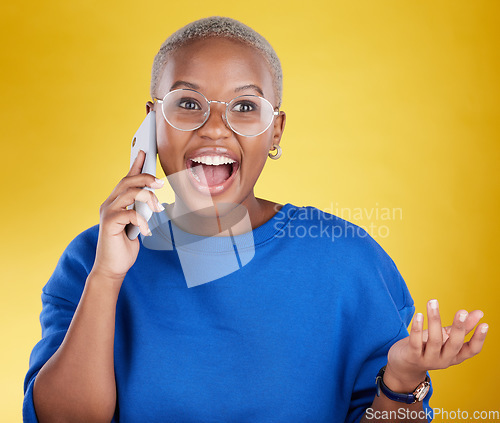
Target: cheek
x,y
258,148
171,146
255,155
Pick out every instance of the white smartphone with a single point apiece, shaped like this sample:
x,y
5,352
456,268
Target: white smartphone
x,y
144,139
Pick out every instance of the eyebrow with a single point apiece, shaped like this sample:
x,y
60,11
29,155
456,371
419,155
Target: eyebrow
x,y
250,86
177,84
187,84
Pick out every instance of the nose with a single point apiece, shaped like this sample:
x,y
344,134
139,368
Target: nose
x,y
216,126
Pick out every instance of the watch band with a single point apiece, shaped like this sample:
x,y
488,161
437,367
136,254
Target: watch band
x,y
418,394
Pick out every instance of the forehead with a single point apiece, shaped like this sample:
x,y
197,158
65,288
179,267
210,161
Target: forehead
x,y
218,66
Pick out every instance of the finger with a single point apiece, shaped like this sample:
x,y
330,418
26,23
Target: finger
x,y
456,337
134,170
435,333
445,333
114,222
125,217
140,181
147,196
130,195
416,335
136,167
472,320
474,345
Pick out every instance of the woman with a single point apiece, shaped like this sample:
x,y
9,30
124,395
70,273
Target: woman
x,y
227,313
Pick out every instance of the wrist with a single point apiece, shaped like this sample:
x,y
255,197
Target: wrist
x,y
403,381
104,279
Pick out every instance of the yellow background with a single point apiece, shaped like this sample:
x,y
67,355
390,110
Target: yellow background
x,y
390,105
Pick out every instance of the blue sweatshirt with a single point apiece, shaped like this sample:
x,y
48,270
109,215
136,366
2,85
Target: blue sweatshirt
x,y
291,325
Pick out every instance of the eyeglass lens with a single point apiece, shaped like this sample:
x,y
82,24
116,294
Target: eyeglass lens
x,y
188,110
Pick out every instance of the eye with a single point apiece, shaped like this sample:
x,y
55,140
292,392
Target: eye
x,y
244,106
189,104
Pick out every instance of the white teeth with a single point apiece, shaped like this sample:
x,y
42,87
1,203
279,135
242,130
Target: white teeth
x,y
213,160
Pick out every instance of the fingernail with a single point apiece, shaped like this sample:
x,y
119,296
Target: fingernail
x,y
160,206
462,317
159,181
149,233
433,304
484,329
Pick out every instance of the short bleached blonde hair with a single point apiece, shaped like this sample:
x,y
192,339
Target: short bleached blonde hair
x,y
218,26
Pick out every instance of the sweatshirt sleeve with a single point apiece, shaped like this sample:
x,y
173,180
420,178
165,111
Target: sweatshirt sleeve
x,y
365,390
60,297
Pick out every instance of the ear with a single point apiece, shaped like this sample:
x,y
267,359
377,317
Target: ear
x,y
149,106
279,127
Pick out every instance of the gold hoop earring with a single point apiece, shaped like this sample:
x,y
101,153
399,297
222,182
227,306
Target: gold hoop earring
x,y
278,152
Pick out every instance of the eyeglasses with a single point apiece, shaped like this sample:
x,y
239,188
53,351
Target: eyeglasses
x,y
187,110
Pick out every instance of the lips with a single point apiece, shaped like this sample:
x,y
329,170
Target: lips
x,y
212,170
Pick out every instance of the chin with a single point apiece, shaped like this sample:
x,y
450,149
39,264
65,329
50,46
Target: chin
x,y
208,206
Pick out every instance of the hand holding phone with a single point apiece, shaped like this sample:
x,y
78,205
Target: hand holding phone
x,y
115,252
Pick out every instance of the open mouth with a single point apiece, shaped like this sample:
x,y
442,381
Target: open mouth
x,y
212,173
